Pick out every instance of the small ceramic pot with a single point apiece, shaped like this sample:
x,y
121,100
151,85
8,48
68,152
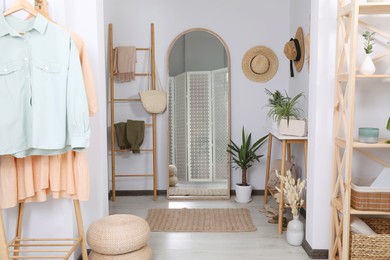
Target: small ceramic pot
x,y
368,135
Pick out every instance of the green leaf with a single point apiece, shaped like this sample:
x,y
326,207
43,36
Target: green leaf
x,y
388,124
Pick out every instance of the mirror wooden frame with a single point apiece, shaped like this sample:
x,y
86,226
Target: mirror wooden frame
x,y
227,196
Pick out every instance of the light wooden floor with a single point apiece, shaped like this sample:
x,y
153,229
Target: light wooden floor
x,y
265,243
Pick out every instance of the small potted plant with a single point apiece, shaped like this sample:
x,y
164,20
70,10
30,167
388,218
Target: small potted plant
x,y
243,157
275,99
367,67
287,114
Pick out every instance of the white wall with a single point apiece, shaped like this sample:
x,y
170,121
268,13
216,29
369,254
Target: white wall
x,y
320,114
55,217
300,17
242,25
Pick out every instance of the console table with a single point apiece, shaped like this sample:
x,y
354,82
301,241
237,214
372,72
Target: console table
x,y
286,142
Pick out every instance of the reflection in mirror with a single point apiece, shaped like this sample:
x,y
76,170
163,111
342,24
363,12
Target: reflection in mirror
x,y
199,116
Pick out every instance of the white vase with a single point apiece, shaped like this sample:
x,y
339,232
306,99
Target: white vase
x,y
367,67
243,193
295,232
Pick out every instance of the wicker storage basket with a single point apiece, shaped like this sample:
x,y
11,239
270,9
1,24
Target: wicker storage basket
x,y
366,198
372,247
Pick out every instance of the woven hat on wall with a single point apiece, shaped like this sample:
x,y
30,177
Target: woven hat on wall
x,y
260,64
295,51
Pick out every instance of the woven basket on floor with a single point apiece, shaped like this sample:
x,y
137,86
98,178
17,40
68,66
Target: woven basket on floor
x,y
372,247
118,234
145,253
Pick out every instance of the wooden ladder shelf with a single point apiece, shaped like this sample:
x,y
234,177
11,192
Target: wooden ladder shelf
x,y
114,100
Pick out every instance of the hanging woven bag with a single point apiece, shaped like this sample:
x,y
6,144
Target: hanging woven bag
x,y
154,100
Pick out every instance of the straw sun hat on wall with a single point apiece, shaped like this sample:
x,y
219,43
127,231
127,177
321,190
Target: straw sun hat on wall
x,y
295,51
260,64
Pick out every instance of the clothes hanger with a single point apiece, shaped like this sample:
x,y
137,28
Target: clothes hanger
x,y
20,5
41,7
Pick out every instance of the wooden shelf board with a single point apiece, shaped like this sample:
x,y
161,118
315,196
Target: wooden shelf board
x,y
356,144
344,76
381,144
368,212
374,8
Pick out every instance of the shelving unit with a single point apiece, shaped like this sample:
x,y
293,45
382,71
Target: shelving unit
x,y
344,112
153,125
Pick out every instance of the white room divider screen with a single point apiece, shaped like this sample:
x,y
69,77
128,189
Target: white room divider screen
x,y
198,125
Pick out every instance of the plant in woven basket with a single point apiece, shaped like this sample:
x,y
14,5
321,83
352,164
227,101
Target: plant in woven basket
x,y
293,190
245,155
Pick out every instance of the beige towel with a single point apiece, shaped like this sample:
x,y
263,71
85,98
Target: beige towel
x,y
124,63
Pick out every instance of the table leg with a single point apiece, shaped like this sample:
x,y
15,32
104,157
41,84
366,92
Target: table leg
x,y
268,168
289,152
281,194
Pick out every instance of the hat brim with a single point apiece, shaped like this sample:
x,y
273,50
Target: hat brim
x,y
299,36
273,64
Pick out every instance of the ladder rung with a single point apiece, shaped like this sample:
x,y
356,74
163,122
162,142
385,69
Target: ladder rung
x,y
126,99
129,150
139,49
142,74
134,175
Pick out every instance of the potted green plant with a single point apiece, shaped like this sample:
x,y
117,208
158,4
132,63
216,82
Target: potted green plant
x,y
275,99
288,115
243,157
367,67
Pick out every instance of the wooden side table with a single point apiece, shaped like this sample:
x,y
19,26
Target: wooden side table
x,y
286,152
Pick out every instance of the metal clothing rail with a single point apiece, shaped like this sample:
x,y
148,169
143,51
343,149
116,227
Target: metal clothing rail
x,y
114,100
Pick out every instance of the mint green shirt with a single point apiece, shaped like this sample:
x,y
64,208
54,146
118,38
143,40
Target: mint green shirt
x,y
43,105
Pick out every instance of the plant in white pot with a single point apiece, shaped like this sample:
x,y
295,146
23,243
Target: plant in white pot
x,y
275,99
243,157
367,67
287,114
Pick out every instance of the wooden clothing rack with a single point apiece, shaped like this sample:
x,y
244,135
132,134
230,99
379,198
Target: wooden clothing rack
x,y
41,248
114,100
52,248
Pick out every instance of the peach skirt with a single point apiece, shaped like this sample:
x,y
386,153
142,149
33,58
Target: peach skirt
x,y
34,178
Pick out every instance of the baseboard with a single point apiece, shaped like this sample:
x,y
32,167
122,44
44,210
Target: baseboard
x,y
137,193
162,192
254,192
314,253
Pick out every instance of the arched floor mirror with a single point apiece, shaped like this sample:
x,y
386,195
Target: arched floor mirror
x,y
198,64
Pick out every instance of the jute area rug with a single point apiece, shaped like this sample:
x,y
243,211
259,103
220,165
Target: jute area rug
x,y
200,220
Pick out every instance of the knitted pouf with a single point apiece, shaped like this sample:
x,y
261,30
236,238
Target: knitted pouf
x,y
118,234
145,253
